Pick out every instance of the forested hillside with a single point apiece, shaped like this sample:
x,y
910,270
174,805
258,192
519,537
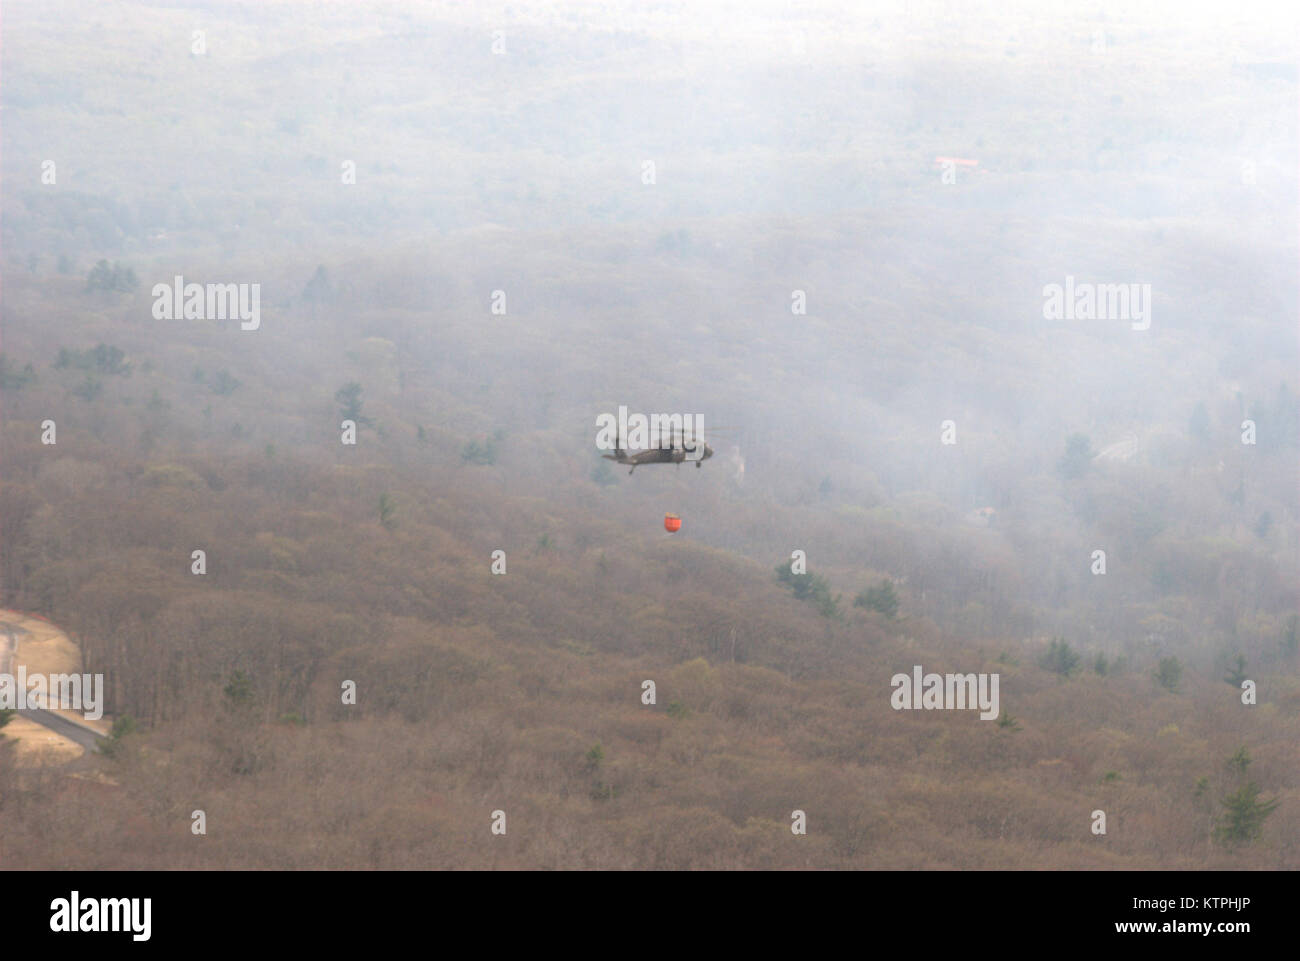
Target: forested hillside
x,y
969,549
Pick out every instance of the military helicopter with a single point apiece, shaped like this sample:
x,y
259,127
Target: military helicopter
x,y
681,447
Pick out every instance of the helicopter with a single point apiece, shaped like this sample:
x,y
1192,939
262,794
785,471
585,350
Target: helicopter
x,y
681,447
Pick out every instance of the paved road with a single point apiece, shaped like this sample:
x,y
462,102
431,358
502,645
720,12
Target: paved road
x,y
57,723
62,726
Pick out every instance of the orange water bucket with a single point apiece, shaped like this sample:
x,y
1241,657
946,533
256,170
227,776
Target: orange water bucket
x,y
672,523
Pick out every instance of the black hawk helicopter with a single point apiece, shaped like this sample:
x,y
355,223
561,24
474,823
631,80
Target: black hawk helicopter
x,y
680,447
